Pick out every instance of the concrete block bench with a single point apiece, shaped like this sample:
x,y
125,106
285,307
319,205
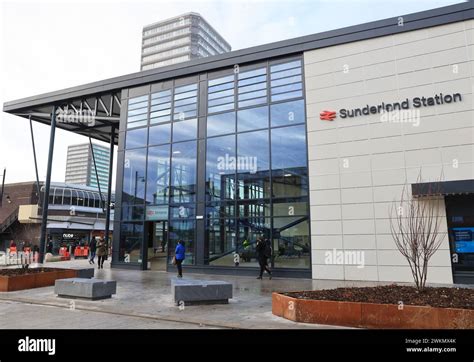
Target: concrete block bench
x,y
84,272
192,291
84,288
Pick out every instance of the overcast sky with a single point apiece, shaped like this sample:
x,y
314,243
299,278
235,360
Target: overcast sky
x,y
50,45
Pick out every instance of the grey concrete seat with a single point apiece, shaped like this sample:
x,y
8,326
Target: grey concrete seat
x,y
85,288
192,291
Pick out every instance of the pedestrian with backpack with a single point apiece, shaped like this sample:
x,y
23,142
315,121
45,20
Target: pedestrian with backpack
x,y
264,251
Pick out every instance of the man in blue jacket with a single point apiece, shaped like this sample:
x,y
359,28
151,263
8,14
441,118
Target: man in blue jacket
x,y
179,257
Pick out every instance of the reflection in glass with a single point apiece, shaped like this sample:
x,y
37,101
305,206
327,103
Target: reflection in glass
x,y
253,118
220,168
131,238
183,211
185,230
134,176
253,169
249,231
254,208
160,134
136,138
185,130
220,209
289,170
291,242
287,113
220,242
158,175
219,124
290,207
183,172
132,213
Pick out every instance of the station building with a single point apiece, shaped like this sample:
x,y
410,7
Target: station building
x,y
307,142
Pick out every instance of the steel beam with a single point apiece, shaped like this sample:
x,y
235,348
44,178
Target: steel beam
x,y
109,186
47,187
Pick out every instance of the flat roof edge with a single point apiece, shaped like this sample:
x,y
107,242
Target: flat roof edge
x,y
415,21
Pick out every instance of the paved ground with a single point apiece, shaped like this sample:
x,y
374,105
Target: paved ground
x,y
143,300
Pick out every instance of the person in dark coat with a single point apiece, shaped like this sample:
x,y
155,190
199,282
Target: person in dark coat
x,y
263,249
49,247
92,250
101,253
179,257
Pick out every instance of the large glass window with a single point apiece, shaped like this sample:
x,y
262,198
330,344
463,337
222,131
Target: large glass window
x,y
219,124
185,130
158,176
131,238
256,177
288,113
183,172
291,242
220,168
222,242
137,114
183,229
249,230
136,138
160,134
252,87
286,81
185,102
253,165
134,176
252,119
289,169
160,110
221,94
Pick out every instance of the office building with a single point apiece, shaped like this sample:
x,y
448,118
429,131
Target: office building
x,y
178,40
80,168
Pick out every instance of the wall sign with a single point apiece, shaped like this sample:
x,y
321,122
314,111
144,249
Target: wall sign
x,y
416,102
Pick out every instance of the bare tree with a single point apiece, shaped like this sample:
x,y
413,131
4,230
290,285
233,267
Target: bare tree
x,y
415,227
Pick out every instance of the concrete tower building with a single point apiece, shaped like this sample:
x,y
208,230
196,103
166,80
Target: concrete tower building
x,y
179,39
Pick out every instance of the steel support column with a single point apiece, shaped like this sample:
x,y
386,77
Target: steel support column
x,y
3,186
47,187
38,189
96,175
109,186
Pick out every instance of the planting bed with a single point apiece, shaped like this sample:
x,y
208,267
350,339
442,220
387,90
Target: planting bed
x,y
19,279
391,306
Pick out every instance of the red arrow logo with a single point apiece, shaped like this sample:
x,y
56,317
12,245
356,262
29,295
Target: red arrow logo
x,y
327,115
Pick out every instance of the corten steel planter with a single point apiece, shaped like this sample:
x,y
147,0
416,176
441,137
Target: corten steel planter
x,y
370,315
34,280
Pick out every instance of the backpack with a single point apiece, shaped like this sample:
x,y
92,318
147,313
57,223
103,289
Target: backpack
x,y
268,249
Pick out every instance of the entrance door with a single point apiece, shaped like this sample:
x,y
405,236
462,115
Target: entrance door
x,y
157,245
460,212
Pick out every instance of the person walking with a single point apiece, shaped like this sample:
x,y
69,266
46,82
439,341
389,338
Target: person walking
x,y
92,249
101,253
179,257
263,249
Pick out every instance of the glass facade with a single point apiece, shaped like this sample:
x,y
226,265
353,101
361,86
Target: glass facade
x,y
221,174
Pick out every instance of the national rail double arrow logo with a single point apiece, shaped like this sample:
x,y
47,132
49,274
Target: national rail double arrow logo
x,y
327,115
